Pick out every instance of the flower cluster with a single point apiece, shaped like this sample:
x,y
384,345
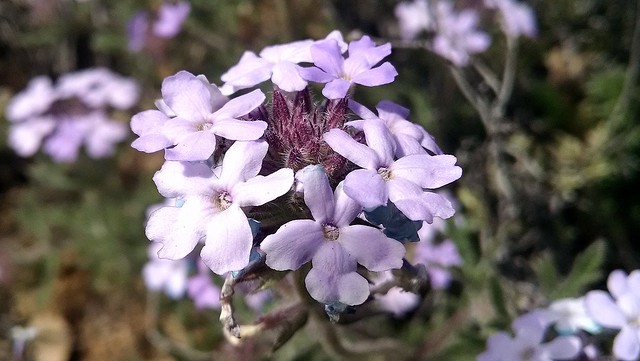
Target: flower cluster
x,y
70,113
455,34
292,181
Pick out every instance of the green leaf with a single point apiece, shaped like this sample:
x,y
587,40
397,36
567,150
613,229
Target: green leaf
x,y
585,270
546,273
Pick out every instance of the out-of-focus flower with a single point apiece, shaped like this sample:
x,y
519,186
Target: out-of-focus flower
x,y
413,18
619,310
258,300
71,113
457,35
527,344
164,274
438,258
570,315
202,290
170,19
517,19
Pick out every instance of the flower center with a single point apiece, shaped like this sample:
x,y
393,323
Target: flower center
x,y
330,232
384,173
222,200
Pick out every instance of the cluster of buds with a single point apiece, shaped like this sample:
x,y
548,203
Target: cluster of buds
x,y
279,184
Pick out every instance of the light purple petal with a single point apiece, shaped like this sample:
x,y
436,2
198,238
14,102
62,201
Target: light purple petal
x,y
229,241
178,179
317,193
293,245
240,106
407,197
379,139
333,278
170,19
626,345
336,89
260,189
239,129
603,310
426,170
349,148
384,74
346,209
328,57
294,52
617,283
25,137
178,229
287,77
367,49
250,70
371,248
147,122
195,146
564,347
315,75
242,161
187,96
366,187
360,110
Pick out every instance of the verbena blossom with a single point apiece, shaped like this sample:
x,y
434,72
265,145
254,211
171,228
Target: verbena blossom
x,y
192,113
165,275
360,66
517,18
413,18
332,244
437,258
619,309
215,148
73,112
409,138
213,206
400,181
457,36
527,344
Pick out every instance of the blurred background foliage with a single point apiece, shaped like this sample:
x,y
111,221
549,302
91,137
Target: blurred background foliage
x,y
71,236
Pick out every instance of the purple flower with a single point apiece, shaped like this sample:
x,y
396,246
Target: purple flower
x,y
526,345
438,258
192,113
409,137
621,312
163,274
400,181
213,206
358,68
71,113
396,301
137,31
170,19
517,18
332,245
202,290
413,18
457,37
278,63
